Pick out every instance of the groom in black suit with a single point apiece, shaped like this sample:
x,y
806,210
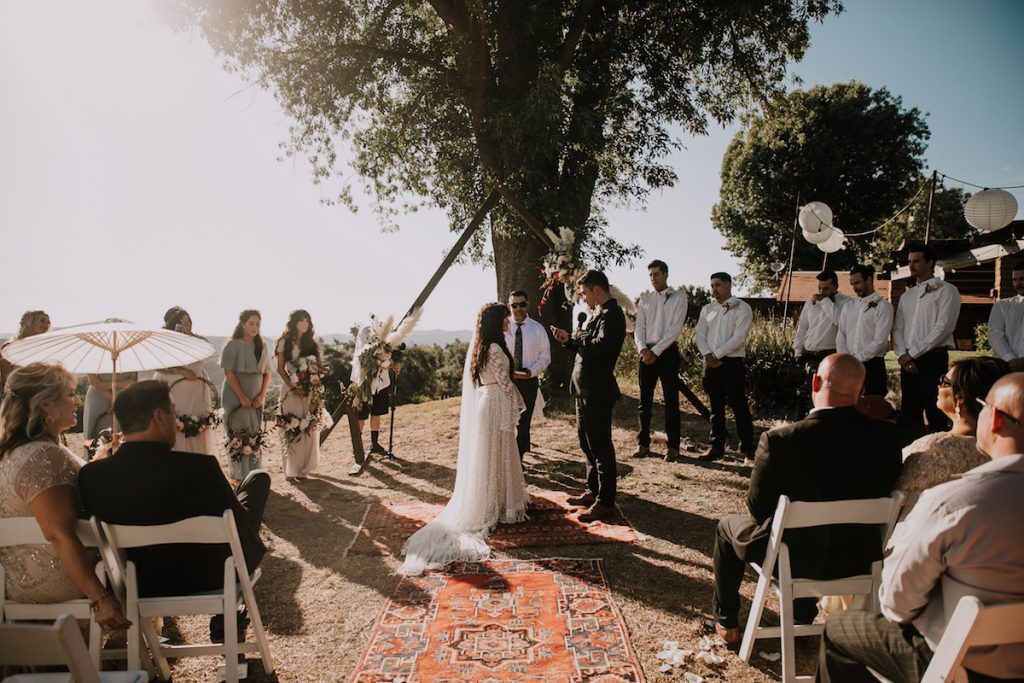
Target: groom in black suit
x,y
147,483
835,453
593,384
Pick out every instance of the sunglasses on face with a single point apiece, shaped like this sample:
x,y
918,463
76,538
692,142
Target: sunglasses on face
x,y
519,305
983,403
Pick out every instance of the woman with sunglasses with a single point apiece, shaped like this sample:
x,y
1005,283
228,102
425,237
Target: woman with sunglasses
x,y
937,458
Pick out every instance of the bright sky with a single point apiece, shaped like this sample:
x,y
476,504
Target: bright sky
x,y
135,174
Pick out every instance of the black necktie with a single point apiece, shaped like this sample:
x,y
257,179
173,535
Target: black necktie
x,y
519,346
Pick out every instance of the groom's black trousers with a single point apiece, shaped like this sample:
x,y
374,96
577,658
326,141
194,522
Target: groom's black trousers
x,y
594,424
528,390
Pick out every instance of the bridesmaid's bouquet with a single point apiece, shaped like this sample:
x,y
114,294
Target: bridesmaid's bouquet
x,y
240,446
305,373
295,426
194,425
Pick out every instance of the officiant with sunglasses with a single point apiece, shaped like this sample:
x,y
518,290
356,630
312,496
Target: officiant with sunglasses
x,y
531,353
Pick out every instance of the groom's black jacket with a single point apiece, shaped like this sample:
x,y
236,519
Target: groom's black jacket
x,y
597,349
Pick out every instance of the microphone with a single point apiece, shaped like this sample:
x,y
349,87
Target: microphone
x,y
580,319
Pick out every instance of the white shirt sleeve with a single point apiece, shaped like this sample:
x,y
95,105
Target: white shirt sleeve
x,y
801,330
844,321
543,352
899,325
997,337
640,326
701,333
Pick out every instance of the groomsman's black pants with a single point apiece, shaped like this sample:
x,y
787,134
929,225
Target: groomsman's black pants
x,y
726,385
876,381
665,368
594,424
528,389
921,390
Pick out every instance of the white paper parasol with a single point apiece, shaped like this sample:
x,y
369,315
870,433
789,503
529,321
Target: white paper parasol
x,y
113,346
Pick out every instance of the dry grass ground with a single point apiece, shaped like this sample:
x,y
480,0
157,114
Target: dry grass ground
x,y
320,607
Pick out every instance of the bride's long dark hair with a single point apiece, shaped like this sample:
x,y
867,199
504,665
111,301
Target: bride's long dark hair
x,y
490,329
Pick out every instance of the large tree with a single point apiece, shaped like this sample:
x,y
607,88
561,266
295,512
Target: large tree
x,y
857,150
571,105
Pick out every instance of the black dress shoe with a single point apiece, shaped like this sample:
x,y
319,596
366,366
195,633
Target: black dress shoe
x,y
378,449
713,453
584,501
598,512
217,625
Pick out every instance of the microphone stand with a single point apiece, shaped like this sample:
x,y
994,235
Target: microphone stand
x,y
390,455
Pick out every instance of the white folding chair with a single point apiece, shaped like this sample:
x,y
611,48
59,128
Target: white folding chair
x,y
972,625
25,531
799,515
237,585
59,643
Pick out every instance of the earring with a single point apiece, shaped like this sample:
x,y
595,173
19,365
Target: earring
x,y
957,411
50,420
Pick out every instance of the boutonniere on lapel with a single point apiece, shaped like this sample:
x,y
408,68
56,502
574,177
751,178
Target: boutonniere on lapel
x,y
728,307
873,304
928,289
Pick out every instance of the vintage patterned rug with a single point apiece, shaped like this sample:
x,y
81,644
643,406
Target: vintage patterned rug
x,y
536,621
385,527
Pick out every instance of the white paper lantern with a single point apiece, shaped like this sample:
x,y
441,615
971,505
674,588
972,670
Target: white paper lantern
x,y
990,210
834,242
815,217
816,237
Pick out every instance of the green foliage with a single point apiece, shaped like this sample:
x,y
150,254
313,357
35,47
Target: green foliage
x,y
429,372
572,105
981,338
696,298
854,148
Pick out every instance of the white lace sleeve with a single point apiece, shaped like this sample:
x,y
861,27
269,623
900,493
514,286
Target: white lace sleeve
x,y
497,363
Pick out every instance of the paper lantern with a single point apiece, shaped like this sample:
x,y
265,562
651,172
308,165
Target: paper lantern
x,y
834,242
815,217
990,210
816,237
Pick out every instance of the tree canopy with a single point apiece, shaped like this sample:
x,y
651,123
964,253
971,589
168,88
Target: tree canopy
x,y
573,105
857,150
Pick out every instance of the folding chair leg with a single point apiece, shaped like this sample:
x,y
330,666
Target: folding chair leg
x,y
230,641
153,638
787,629
95,644
754,619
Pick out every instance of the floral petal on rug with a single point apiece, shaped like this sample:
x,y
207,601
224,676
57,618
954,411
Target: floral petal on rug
x,y
552,523
502,620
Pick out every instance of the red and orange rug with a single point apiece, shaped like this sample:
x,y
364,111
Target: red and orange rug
x,y
550,621
552,522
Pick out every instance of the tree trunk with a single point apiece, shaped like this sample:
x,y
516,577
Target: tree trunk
x,y
517,264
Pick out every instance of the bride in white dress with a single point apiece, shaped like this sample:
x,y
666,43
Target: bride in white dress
x,y
489,484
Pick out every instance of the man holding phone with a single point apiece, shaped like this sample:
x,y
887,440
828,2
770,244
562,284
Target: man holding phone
x,y
531,351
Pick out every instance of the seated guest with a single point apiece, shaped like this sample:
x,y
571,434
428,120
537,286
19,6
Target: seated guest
x,y
962,538
835,453
937,458
147,483
37,479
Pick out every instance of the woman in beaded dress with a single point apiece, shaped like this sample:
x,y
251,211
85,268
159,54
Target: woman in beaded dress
x,y
191,392
38,478
936,458
489,485
297,342
246,366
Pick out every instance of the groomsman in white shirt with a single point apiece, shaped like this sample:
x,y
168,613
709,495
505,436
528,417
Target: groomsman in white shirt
x,y
922,335
528,341
1006,323
722,330
864,326
659,320
816,331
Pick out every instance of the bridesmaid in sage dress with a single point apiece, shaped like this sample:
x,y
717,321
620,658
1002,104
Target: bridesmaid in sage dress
x,y
246,366
97,416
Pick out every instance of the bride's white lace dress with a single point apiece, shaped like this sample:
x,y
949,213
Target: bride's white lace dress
x,y
489,484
